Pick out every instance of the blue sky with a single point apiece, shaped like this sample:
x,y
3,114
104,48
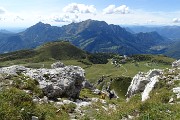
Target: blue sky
x,y
24,13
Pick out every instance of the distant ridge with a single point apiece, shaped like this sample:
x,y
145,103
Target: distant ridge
x,y
173,50
90,35
171,32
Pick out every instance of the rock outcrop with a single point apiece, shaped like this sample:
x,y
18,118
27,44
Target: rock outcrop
x,y
176,64
143,82
57,65
149,87
177,92
13,70
87,84
61,81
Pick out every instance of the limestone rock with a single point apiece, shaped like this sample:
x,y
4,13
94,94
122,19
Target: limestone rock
x,y
178,95
59,82
14,70
176,90
63,81
57,65
34,118
176,64
97,91
171,100
137,84
143,82
87,84
149,87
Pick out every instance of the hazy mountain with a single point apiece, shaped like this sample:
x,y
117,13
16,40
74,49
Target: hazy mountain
x,y
12,29
172,32
5,31
173,50
90,35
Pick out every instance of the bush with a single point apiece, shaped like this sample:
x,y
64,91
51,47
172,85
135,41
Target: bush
x,y
99,58
154,58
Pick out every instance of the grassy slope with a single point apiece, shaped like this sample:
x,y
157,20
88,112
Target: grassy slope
x,y
59,51
47,52
95,71
128,69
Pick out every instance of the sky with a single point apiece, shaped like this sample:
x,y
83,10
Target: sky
x,y
25,13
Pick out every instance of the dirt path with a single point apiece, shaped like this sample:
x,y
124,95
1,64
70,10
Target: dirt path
x,y
125,70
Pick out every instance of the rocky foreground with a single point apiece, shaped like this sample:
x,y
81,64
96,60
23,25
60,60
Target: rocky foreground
x,y
59,88
144,83
60,81
57,84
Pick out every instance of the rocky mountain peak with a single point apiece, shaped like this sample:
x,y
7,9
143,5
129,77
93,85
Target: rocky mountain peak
x,y
41,24
37,28
87,25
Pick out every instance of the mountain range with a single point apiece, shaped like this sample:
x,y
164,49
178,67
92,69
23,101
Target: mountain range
x,y
171,32
90,35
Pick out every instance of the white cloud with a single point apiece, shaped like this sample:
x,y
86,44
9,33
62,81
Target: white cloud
x,y
75,12
112,9
2,19
176,20
79,8
66,18
18,18
150,21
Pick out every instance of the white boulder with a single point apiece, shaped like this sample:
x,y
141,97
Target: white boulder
x,y
14,70
62,81
176,90
176,64
149,87
143,82
87,84
59,82
57,65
